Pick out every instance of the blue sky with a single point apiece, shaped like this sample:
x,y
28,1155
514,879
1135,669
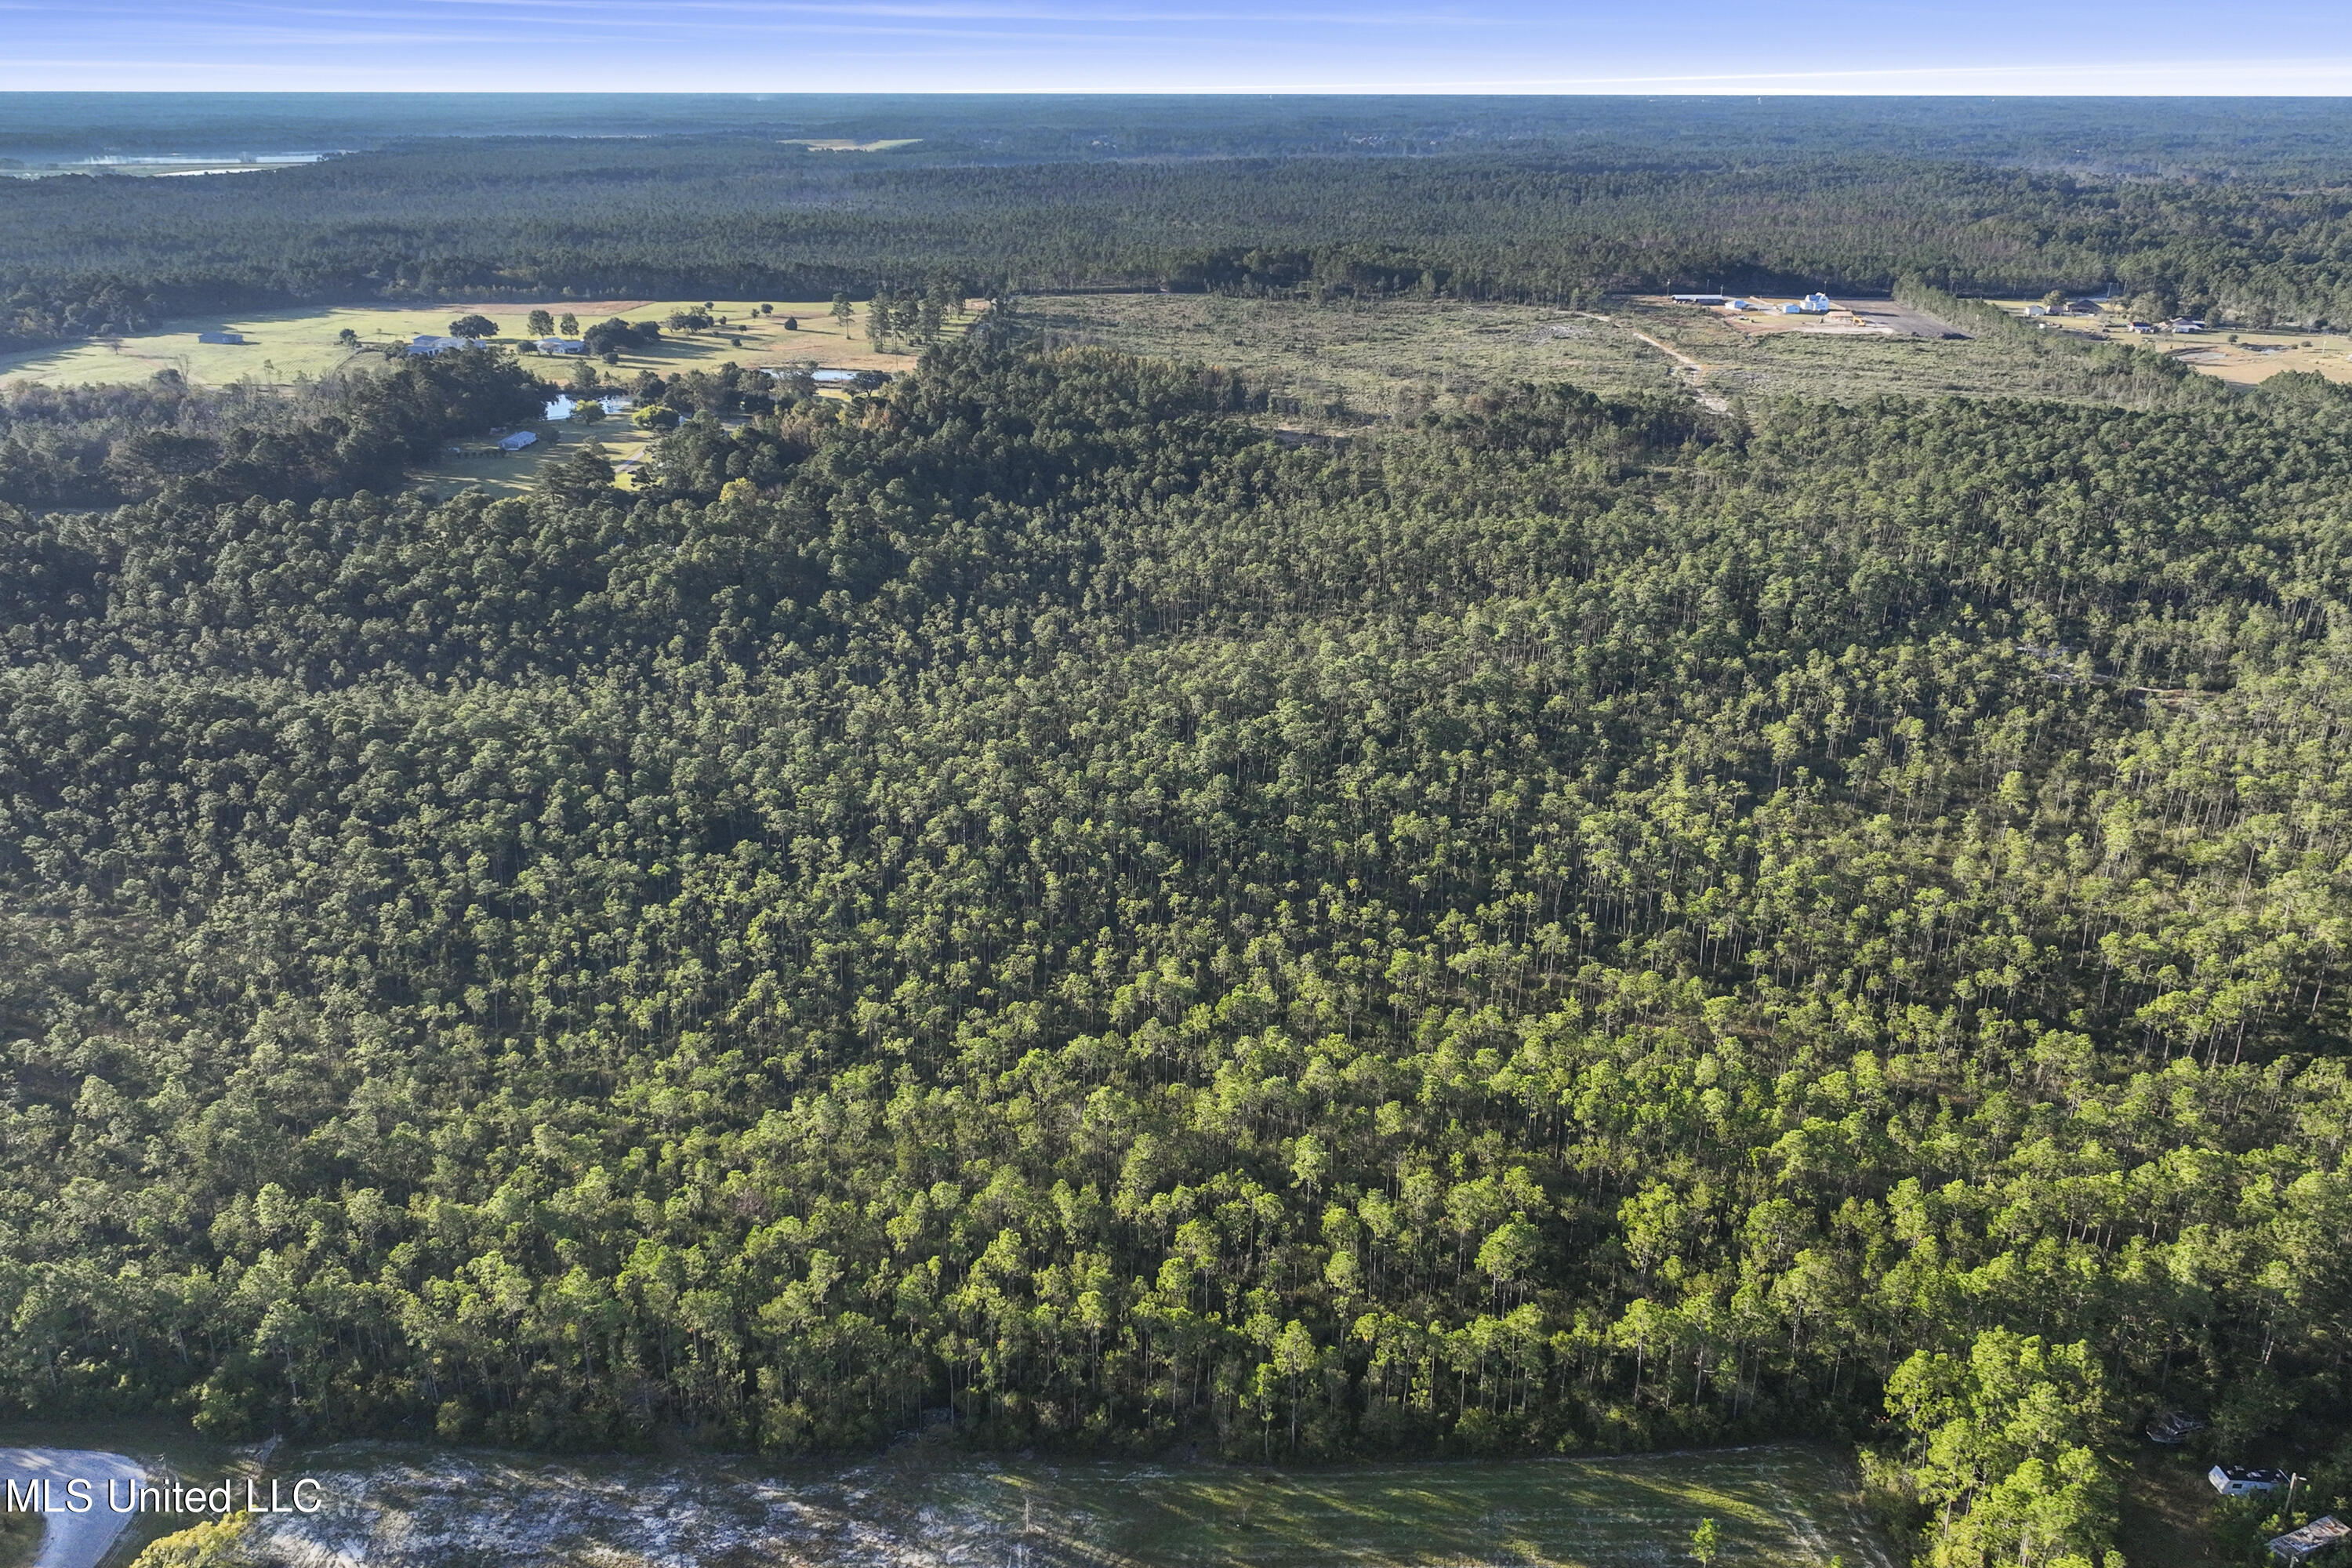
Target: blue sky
x,y
1142,45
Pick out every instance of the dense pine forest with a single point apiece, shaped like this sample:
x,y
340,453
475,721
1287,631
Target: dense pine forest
x,y
2234,212
1020,902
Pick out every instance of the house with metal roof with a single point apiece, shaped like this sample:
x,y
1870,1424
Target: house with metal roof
x,y
2230,1480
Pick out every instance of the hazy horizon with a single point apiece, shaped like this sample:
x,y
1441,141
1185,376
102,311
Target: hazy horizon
x,y
2269,47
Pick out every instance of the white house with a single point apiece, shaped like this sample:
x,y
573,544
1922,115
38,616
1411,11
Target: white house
x,y
427,343
561,346
518,441
2229,1481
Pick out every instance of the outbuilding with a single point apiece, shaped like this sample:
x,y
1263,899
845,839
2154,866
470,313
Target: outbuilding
x,y
2300,1546
1701,299
220,337
518,441
2230,1480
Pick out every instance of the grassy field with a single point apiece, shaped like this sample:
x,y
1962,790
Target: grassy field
x,y
513,473
1326,363
2168,1507
400,1506
286,344
1784,1505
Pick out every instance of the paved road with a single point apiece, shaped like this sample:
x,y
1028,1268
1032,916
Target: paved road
x,y
73,1539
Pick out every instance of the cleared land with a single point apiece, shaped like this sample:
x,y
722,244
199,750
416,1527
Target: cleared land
x,y
1328,363
513,473
2239,355
2167,1514
286,344
394,1506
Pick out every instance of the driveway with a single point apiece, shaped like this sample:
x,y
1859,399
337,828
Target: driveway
x,y
73,1539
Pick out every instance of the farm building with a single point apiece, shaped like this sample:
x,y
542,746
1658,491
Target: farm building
x,y
2187,324
2299,1546
220,337
2231,1482
561,346
518,441
1700,299
428,344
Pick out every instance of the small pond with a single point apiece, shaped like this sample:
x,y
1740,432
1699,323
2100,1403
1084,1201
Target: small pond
x,y
561,407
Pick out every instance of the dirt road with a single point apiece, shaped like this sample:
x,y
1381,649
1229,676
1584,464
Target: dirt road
x,y
1698,371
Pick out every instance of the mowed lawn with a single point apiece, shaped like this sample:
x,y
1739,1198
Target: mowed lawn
x,y
1789,1505
307,342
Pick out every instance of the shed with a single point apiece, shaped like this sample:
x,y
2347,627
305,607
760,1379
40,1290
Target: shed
x,y
2299,1546
518,441
220,337
1699,299
561,346
2230,1480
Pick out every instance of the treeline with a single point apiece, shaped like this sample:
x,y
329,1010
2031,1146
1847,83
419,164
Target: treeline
x,y
101,445
1578,925
90,256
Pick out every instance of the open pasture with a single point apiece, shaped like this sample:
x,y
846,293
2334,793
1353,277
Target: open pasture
x,y
285,345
